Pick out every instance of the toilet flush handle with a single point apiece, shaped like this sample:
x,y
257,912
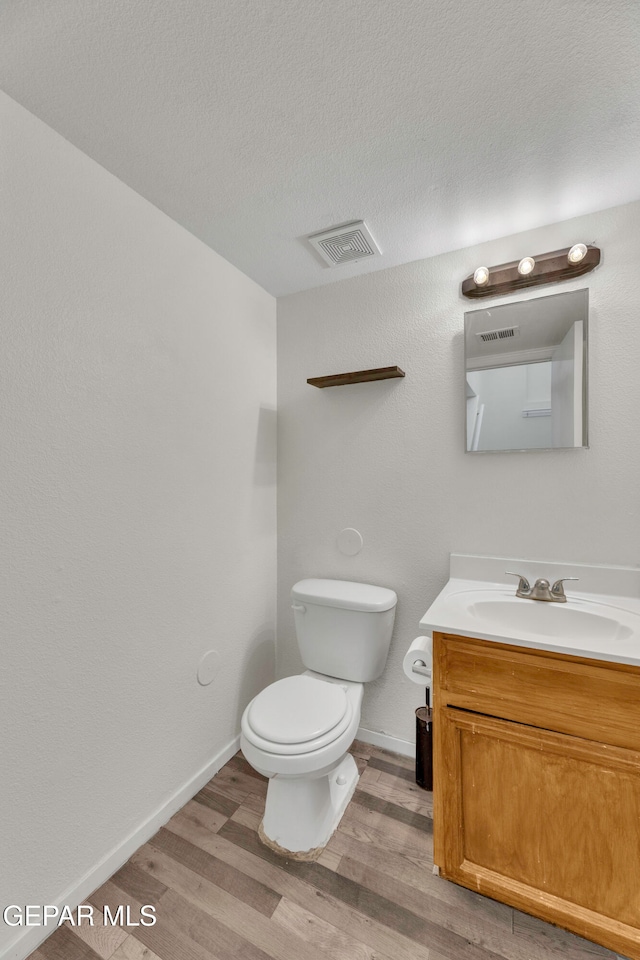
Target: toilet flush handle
x,y
300,607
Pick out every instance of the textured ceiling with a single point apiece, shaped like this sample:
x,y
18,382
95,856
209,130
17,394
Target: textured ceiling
x,y
256,122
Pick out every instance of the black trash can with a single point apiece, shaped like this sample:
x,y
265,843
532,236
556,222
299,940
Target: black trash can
x,y
424,747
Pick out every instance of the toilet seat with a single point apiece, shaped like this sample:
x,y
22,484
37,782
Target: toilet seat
x,y
297,715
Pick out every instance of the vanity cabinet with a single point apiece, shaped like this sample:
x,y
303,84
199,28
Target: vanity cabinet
x,y
537,784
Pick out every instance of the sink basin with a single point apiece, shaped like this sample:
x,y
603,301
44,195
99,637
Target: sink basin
x,y
577,619
600,620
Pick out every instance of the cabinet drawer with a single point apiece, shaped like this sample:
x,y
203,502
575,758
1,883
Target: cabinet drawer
x,y
587,698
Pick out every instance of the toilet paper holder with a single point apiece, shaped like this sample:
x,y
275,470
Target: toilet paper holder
x,y
417,662
419,666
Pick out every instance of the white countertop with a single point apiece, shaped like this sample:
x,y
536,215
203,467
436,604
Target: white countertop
x,y
601,624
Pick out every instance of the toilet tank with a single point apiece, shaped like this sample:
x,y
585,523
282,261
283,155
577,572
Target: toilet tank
x,y
343,628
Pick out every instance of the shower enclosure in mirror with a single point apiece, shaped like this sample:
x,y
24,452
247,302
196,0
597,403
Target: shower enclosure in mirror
x,y
526,374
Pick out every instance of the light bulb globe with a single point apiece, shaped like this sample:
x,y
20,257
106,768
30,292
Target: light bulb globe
x,y
577,253
525,266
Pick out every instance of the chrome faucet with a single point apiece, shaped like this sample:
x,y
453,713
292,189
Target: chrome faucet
x,y
542,589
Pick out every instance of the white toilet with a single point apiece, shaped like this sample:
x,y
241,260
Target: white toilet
x,y
298,730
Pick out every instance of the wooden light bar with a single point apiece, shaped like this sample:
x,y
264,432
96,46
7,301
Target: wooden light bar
x,y
549,268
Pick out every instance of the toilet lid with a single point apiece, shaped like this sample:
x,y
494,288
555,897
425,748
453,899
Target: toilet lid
x,y
297,709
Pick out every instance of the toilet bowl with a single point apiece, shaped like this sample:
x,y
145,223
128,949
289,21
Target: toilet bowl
x,y
297,732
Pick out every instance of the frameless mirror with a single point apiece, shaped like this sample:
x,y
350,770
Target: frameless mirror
x,y
526,374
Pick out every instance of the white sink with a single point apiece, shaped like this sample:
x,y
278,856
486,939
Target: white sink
x,y
601,621
576,619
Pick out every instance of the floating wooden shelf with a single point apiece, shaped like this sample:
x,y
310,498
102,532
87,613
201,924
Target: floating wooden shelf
x,y
358,376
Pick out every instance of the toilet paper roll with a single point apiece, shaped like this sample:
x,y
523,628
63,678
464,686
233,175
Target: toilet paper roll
x,y
418,661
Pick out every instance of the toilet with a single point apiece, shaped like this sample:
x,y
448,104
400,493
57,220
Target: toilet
x,y
298,730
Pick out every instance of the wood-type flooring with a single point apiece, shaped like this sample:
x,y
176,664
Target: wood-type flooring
x,y
220,894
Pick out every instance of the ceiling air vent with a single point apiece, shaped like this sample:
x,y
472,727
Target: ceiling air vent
x,y
507,333
344,244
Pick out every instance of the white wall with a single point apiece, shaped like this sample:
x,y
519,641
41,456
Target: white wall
x,y
138,495
388,458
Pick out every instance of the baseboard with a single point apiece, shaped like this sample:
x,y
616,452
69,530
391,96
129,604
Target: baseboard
x,y
403,747
32,937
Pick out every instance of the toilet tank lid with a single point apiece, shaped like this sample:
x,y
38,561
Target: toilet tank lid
x,y
345,594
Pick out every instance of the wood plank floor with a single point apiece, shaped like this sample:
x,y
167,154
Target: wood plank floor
x,y
220,894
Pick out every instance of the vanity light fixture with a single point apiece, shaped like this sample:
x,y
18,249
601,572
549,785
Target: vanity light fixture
x,y
531,271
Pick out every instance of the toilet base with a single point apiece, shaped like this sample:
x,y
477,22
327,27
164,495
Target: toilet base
x,y
301,814
299,856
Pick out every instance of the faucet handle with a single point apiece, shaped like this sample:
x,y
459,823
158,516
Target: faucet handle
x,y
557,589
524,586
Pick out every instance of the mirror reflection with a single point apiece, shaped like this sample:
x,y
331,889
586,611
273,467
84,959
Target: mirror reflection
x,y
526,374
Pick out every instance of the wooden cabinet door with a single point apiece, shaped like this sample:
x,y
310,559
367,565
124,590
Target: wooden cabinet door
x,y
547,822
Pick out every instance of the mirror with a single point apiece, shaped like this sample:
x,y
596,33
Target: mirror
x,y
526,374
